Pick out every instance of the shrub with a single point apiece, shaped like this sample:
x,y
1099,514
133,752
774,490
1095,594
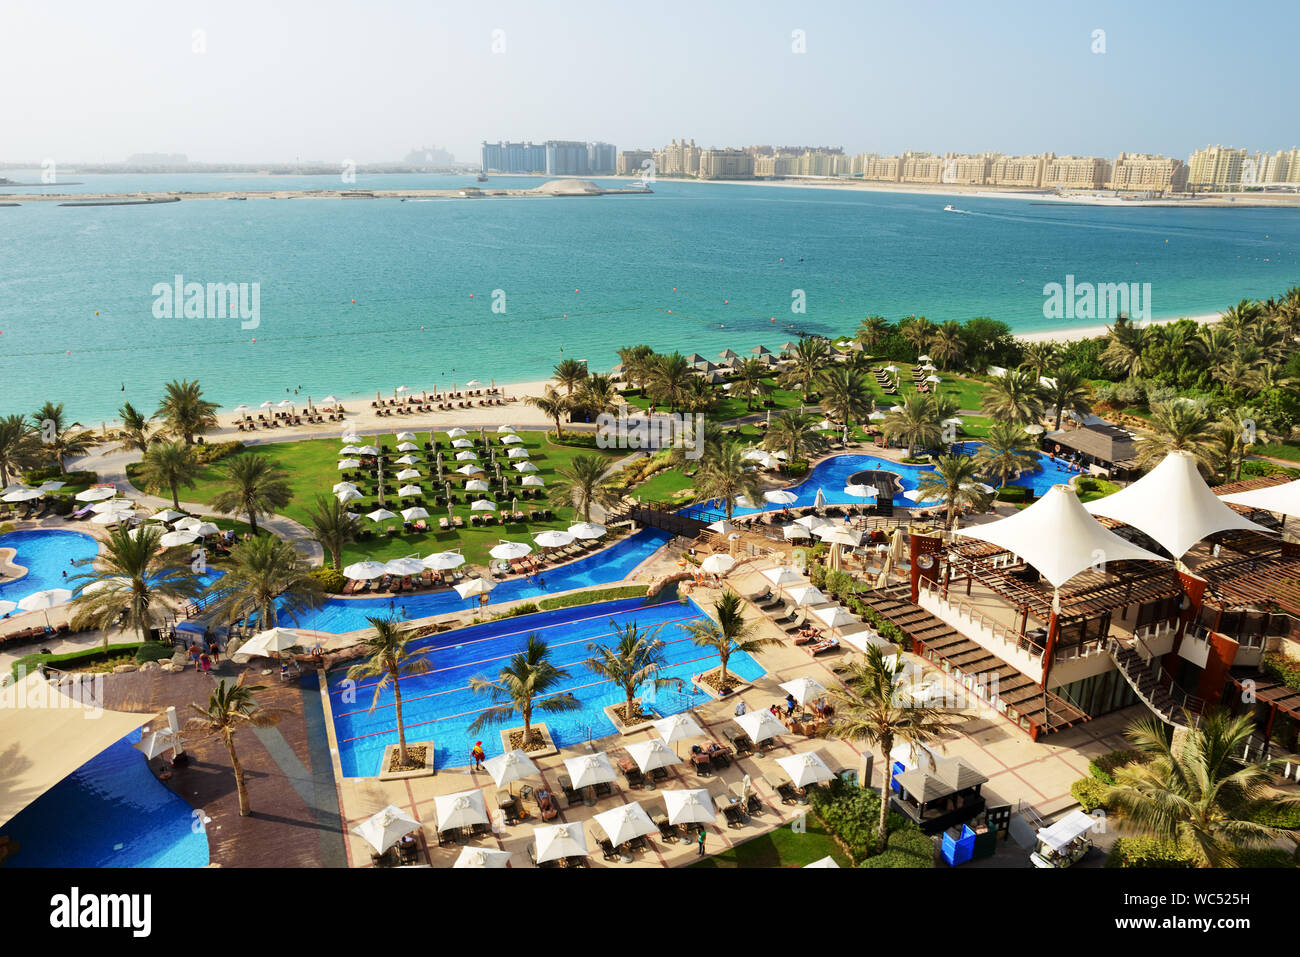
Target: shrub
x,y
1276,815
852,814
1084,484
153,651
61,505
1089,792
586,597
207,453
1014,493
797,468
905,847
1284,669
527,608
1147,852
1130,393
331,579
1255,467
48,472
1101,766
839,583
77,660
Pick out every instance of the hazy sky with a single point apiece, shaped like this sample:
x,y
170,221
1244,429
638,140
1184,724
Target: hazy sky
x,y
88,80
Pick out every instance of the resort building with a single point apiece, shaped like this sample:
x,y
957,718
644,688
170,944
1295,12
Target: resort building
x,y
873,166
602,159
679,158
632,162
1217,168
1141,171
920,168
1104,447
1280,167
1024,171
966,169
505,157
1075,172
726,164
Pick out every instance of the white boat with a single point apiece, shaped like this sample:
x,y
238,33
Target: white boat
x,y
951,209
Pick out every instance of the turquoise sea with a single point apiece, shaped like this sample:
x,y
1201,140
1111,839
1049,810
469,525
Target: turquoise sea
x,y
695,266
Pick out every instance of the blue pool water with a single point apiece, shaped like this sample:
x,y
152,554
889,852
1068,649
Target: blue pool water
x,y
612,564
438,705
832,474
110,812
46,555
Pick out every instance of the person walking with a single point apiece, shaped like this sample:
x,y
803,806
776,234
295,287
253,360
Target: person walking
x,y
701,842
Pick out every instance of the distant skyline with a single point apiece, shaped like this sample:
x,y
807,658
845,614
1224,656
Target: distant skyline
x,y
333,81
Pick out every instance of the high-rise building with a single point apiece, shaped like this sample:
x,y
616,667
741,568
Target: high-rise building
x,y
602,159
873,166
1220,168
1280,167
1026,171
920,168
1075,172
566,158
505,157
1143,171
633,162
679,158
726,164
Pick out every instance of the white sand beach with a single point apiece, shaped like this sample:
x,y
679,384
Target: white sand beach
x,y
1091,332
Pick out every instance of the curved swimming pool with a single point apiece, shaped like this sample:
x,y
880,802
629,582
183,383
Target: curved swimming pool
x,y
439,706
110,812
47,555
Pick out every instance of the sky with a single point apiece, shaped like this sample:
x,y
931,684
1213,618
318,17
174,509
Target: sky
x,y
335,80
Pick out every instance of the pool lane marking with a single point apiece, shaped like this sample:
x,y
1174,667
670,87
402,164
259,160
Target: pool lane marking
x,y
434,694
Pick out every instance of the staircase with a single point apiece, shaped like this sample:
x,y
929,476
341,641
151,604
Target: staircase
x,y
1169,704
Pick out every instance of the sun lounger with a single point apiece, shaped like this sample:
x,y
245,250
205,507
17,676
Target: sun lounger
x,y
570,795
783,787
740,742
828,645
532,856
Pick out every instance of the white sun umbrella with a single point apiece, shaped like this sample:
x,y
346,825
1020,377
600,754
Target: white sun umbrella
x,y
652,755
839,535
804,689
189,522
1033,430
363,571
7,606
287,404
510,767
918,359
586,530
349,464
553,539
412,514
891,368
793,531
678,727
19,487
268,404
470,469
895,408
462,809
482,857
112,505
626,823
533,481
877,416
406,436
760,725
155,743
782,575
742,502
819,500
381,831
952,421
457,433
812,522
588,770
717,564
380,515
805,595
402,388
97,494
688,806
722,527
408,491
349,450
511,439
204,529
271,642
475,586
509,550
933,379
50,486
408,447
476,485
916,495
556,841
351,437
834,617
858,490
462,444
167,515
503,429
113,517
482,505
408,460
806,768
466,456
443,561
44,600
526,467
349,495
367,450
519,453
343,486
752,455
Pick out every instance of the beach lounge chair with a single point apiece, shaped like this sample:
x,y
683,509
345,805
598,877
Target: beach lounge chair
x,y
532,856
740,742
631,773
827,645
570,795
604,789
784,789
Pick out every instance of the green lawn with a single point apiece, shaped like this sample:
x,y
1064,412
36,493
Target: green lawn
x,y
663,485
1287,451
968,392
312,467
729,408
779,848
1103,489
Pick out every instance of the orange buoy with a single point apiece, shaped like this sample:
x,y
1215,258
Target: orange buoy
x,y
354,301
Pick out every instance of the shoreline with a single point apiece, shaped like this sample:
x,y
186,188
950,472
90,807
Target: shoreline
x,y
1092,332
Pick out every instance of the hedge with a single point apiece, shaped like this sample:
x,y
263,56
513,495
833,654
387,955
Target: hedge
x,y
1102,766
852,815
527,608
331,579
905,847
153,651
1090,793
587,597
1148,852
72,660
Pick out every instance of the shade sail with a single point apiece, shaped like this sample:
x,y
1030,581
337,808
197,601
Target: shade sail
x,y
1173,505
1058,537
47,735
1283,499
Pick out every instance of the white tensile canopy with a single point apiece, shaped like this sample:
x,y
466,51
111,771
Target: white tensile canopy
x,y
1173,505
1283,499
1058,537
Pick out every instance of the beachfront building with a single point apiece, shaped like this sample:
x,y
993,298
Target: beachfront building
x,y
632,162
602,159
920,168
968,169
1148,173
505,157
873,166
678,158
726,164
566,158
1218,168
1280,167
1075,172
1023,171
774,165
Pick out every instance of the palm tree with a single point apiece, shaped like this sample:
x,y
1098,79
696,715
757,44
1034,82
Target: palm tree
x,y
697,395
810,356
872,331
59,438
1038,357
917,330
135,433
19,448
1068,393
846,396
1236,432
729,634
552,405
749,376
1216,345
1180,426
596,394
726,474
389,657
1125,348
257,486
667,379
265,578
948,344
569,373
168,466
333,528
955,482
636,657
1196,789
1015,396
918,423
231,706
707,443
184,411
637,361
793,432
132,584
522,687
872,709
1006,452
581,484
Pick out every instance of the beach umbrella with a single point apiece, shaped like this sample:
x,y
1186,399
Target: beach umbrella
x,y
483,857
781,575
112,505
804,689
1033,430
895,408
689,806
526,467
457,433
470,469
717,564
588,770
678,727
367,450
343,486
113,517
384,829
349,495
586,530
96,494
726,354
553,539
406,436
351,437
267,405
7,606
167,516
556,841
443,561
805,769
839,535
380,515
363,571
482,505
891,368
287,404
742,502
812,522
510,550
475,586
50,486
408,565
792,532
412,514
760,725
15,487
819,501
188,522
722,527
204,529
462,809
626,823
826,861
519,453
805,595
752,455
503,429
23,495
877,416
462,444
914,495
271,642
466,456
834,617
510,767
934,379
533,481
652,755
401,388
44,601
472,384
918,359
407,491
408,460
350,464
408,447
511,439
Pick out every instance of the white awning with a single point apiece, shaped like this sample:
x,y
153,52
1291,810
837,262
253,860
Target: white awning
x,y
1065,830
1173,505
1058,537
1283,499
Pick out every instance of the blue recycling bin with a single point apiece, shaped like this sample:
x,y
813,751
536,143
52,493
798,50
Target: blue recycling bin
x,y
958,850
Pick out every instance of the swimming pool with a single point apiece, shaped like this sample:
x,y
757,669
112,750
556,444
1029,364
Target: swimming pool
x,y
612,564
110,812
830,476
46,555
438,705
